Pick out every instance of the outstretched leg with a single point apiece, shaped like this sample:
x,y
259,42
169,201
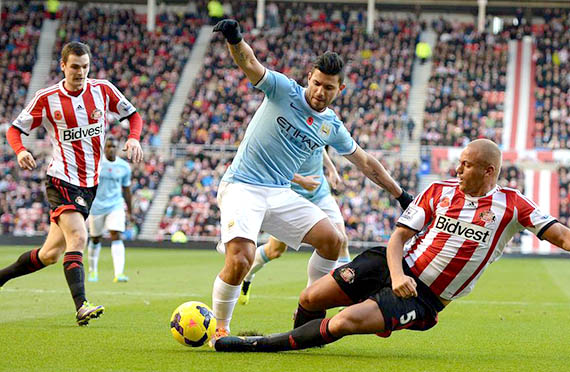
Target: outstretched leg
x,y
361,318
314,301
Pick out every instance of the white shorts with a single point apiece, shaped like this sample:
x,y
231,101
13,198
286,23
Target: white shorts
x,y
330,207
248,209
114,221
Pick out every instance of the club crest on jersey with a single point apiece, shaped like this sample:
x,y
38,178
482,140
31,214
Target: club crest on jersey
x,y
487,217
325,130
79,200
347,274
79,133
57,115
444,203
96,114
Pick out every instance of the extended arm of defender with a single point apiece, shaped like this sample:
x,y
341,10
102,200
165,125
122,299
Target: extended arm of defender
x,y
559,235
374,170
402,285
245,58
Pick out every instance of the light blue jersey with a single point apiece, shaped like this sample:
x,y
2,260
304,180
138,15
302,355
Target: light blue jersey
x,y
113,176
311,167
284,132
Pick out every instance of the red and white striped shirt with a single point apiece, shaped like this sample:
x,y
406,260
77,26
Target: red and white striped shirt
x,y
76,127
464,234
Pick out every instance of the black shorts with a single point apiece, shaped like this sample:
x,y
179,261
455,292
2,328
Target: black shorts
x,y
368,276
63,196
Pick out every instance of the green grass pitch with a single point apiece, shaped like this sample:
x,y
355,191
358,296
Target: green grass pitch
x,y
516,319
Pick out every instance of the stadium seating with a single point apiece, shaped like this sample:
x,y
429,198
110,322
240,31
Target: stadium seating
x,y
564,179
146,177
19,37
378,77
24,209
145,66
467,86
552,95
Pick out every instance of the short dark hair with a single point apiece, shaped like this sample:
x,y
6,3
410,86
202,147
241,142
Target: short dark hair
x,y
330,63
111,138
75,47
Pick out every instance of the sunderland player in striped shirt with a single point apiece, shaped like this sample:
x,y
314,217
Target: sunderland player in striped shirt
x,y
309,182
255,193
108,212
74,113
444,241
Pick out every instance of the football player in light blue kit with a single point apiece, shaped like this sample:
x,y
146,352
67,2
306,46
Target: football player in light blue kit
x,y
309,182
108,211
255,193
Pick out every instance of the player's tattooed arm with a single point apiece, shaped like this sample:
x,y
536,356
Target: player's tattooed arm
x,y
245,58
375,171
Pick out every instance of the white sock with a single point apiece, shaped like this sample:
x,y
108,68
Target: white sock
x,y
318,267
93,251
342,261
260,260
118,253
224,299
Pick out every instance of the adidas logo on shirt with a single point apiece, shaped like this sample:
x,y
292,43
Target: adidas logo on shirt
x,y
79,107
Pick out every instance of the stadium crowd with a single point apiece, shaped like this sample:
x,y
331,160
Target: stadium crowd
x,y
145,66
20,29
564,179
552,95
467,86
24,210
377,75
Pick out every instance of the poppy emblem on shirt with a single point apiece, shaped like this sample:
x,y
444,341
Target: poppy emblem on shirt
x,y
310,120
57,115
444,202
96,114
487,217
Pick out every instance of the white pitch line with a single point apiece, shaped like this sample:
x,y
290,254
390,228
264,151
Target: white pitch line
x,y
265,297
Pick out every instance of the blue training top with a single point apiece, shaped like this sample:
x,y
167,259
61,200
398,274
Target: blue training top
x,y
113,176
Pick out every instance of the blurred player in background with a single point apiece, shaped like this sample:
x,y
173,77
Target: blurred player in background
x,y
255,193
309,182
467,221
73,112
108,211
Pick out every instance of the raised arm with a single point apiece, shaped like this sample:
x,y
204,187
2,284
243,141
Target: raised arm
x,y
241,51
376,172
